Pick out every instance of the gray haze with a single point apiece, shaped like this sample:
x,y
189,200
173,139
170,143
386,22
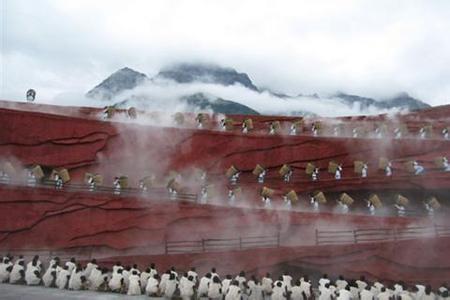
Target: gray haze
x,y
370,48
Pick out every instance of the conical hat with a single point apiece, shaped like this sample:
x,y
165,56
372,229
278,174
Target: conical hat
x,y
123,180
237,190
298,124
358,166
409,166
292,195
228,123
402,200
376,201
110,110
332,167
98,179
257,170
248,123
8,168
132,112
284,170
346,199
266,192
149,181
403,128
231,171
276,125
320,197
178,118
428,129
174,185
37,171
201,118
439,161
63,173
318,125
383,162
309,168
434,203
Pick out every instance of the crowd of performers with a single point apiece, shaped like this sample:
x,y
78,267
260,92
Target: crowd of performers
x,y
131,280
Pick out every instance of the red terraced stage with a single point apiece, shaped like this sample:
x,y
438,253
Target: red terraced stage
x,y
132,226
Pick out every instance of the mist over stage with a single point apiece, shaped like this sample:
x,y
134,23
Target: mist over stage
x,y
148,226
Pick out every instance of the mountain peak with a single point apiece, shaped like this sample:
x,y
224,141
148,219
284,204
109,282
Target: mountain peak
x,y
206,73
123,79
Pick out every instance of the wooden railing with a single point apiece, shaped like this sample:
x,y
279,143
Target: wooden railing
x,y
223,244
372,235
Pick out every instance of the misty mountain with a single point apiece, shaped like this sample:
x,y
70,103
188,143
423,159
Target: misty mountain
x,y
126,79
119,81
402,101
188,73
218,105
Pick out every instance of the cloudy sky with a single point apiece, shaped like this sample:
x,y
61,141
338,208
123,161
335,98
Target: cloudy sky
x,y
370,48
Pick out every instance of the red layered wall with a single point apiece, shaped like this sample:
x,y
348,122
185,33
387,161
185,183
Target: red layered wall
x,y
99,224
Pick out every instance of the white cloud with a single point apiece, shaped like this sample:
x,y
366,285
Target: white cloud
x,y
369,48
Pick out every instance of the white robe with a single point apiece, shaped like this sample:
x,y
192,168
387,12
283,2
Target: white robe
x,y
305,287
135,287
323,282
62,279
75,280
94,278
279,293
241,280
144,278
384,295
171,287
225,285
116,268
126,277
287,280
47,278
115,282
296,293
203,286
341,284
71,266
89,267
152,286
366,295
4,274
193,274
233,293
255,291
361,284
15,276
214,290
162,284
30,276
38,264
266,283
187,289
325,294
345,295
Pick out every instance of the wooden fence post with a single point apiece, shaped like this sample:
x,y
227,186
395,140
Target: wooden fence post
x,y
166,246
278,239
355,239
317,237
203,245
240,243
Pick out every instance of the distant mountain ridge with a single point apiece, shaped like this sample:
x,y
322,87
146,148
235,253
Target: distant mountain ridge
x,y
127,79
